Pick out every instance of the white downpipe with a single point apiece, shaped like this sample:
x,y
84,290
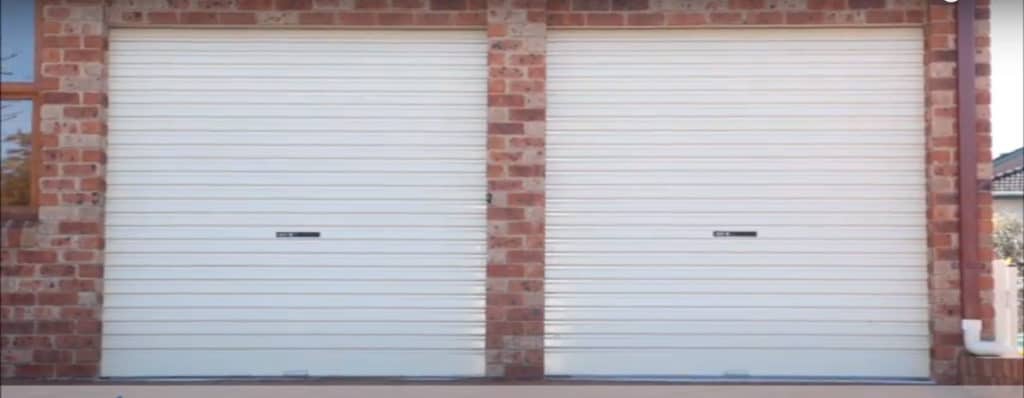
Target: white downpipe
x,y
975,345
1005,294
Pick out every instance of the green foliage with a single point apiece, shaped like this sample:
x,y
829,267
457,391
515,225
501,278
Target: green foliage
x,y
17,171
1009,240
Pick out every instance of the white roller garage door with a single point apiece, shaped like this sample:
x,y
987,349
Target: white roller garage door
x,y
222,139
812,138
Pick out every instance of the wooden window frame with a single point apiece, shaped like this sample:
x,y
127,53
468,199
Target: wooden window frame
x,y
29,92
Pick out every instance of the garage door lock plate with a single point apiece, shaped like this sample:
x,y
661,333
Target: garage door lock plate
x,y
735,234
298,234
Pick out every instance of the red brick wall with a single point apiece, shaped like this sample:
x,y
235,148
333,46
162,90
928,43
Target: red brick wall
x,y
410,13
989,371
52,277
943,226
684,13
52,272
515,176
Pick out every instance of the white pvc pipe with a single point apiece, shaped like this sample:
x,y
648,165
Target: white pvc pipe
x,y
1004,302
975,345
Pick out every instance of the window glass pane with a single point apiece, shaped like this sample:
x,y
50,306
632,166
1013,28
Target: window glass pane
x,y
17,41
15,151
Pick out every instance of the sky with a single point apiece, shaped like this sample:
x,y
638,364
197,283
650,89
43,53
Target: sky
x,y
18,24
1007,26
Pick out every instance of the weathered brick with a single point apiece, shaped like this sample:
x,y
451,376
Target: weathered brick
x,y
886,16
504,128
591,5
524,115
433,19
57,299
89,270
506,271
61,70
526,171
505,100
19,327
79,228
81,112
526,86
293,5
199,18
605,19
86,356
805,18
237,18
646,19
630,5
504,185
497,213
56,97
408,3
77,371
747,4
526,256
357,18
525,314
37,256
54,327
57,13
371,4
56,270
526,199
766,18
316,18
687,19
62,42
256,5
34,371
857,4
51,356
826,4
448,5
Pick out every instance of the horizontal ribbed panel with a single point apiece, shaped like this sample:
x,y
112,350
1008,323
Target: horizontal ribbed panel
x,y
296,361
755,360
281,327
220,139
812,138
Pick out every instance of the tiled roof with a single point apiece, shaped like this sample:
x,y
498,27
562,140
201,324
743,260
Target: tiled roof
x,y
1009,161
1009,181
1008,172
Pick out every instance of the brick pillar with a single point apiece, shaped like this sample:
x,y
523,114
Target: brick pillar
x,y
515,178
52,267
940,62
943,194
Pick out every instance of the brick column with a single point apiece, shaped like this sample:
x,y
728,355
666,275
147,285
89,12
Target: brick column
x,y
515,178
52,270
943,193
940,61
